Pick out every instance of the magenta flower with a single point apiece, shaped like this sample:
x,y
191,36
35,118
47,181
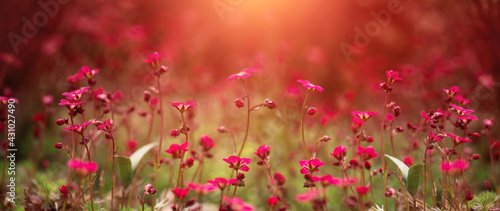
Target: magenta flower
x,y
236,203
310,86
461,100
180,193
454,167
76,94
153,59
367,153
389,117
364,115
82,167
245,73
177,150
457,139
488,123
408,161
362,190
222,182
202,188
89,73
452,91
343,183
461,111
272,201
79,128
206,143
106,126
326,180
76,77
392,76
466,119
238,163
339,152
308,196
182,107
310,166
433,137
148,189
263,152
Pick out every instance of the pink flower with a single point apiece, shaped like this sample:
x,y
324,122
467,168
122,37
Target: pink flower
x,y
89,73
177,150
238,163
466,119
245,73
64,190
206,143
310,166
47,100
452,91
392,76
222,183
180,193
310,86
433,137
70,104
389,117
106,126
326,180
307,196
202,188
236,203
461,111
488,123
263,152
408,161
79,128
153,59
148,189
461,100
272,201
76,77
182,106
362,190
457,139
131,144
339,152
344,183
82,167
364,115
76,94
367,153
454,167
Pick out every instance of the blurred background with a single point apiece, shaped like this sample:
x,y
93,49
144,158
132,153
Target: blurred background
x,y
343,46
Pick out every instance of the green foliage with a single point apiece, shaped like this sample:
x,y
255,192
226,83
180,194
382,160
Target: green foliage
x,y
415,178
485,201
402,166
126,166
97,206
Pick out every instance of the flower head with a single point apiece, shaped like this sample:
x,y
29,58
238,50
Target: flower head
x,y
245,73
364,115
392,76
308,196
310,166
452,91
236,203
76,94
70,104
263,152
202,188
362,190
222,182
206,142
454,167
310,86
148,189
182,107
339,152
82,167
180,193
153,59
177,150
79,128
87,72
238,163
367,153
457,139
106,126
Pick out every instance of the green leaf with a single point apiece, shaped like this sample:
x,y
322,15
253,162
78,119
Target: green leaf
x,y
126,166
125,173
402,166
415,178
139,154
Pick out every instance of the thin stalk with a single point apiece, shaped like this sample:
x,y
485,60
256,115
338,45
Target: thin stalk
x,y
234,142
347,177
382,142
150,129
90,181
161,138
302,124
179,175
143,200
113,172
248,118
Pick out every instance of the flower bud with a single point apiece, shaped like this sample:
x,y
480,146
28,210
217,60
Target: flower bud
x,y
58,145
239,103
311,111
